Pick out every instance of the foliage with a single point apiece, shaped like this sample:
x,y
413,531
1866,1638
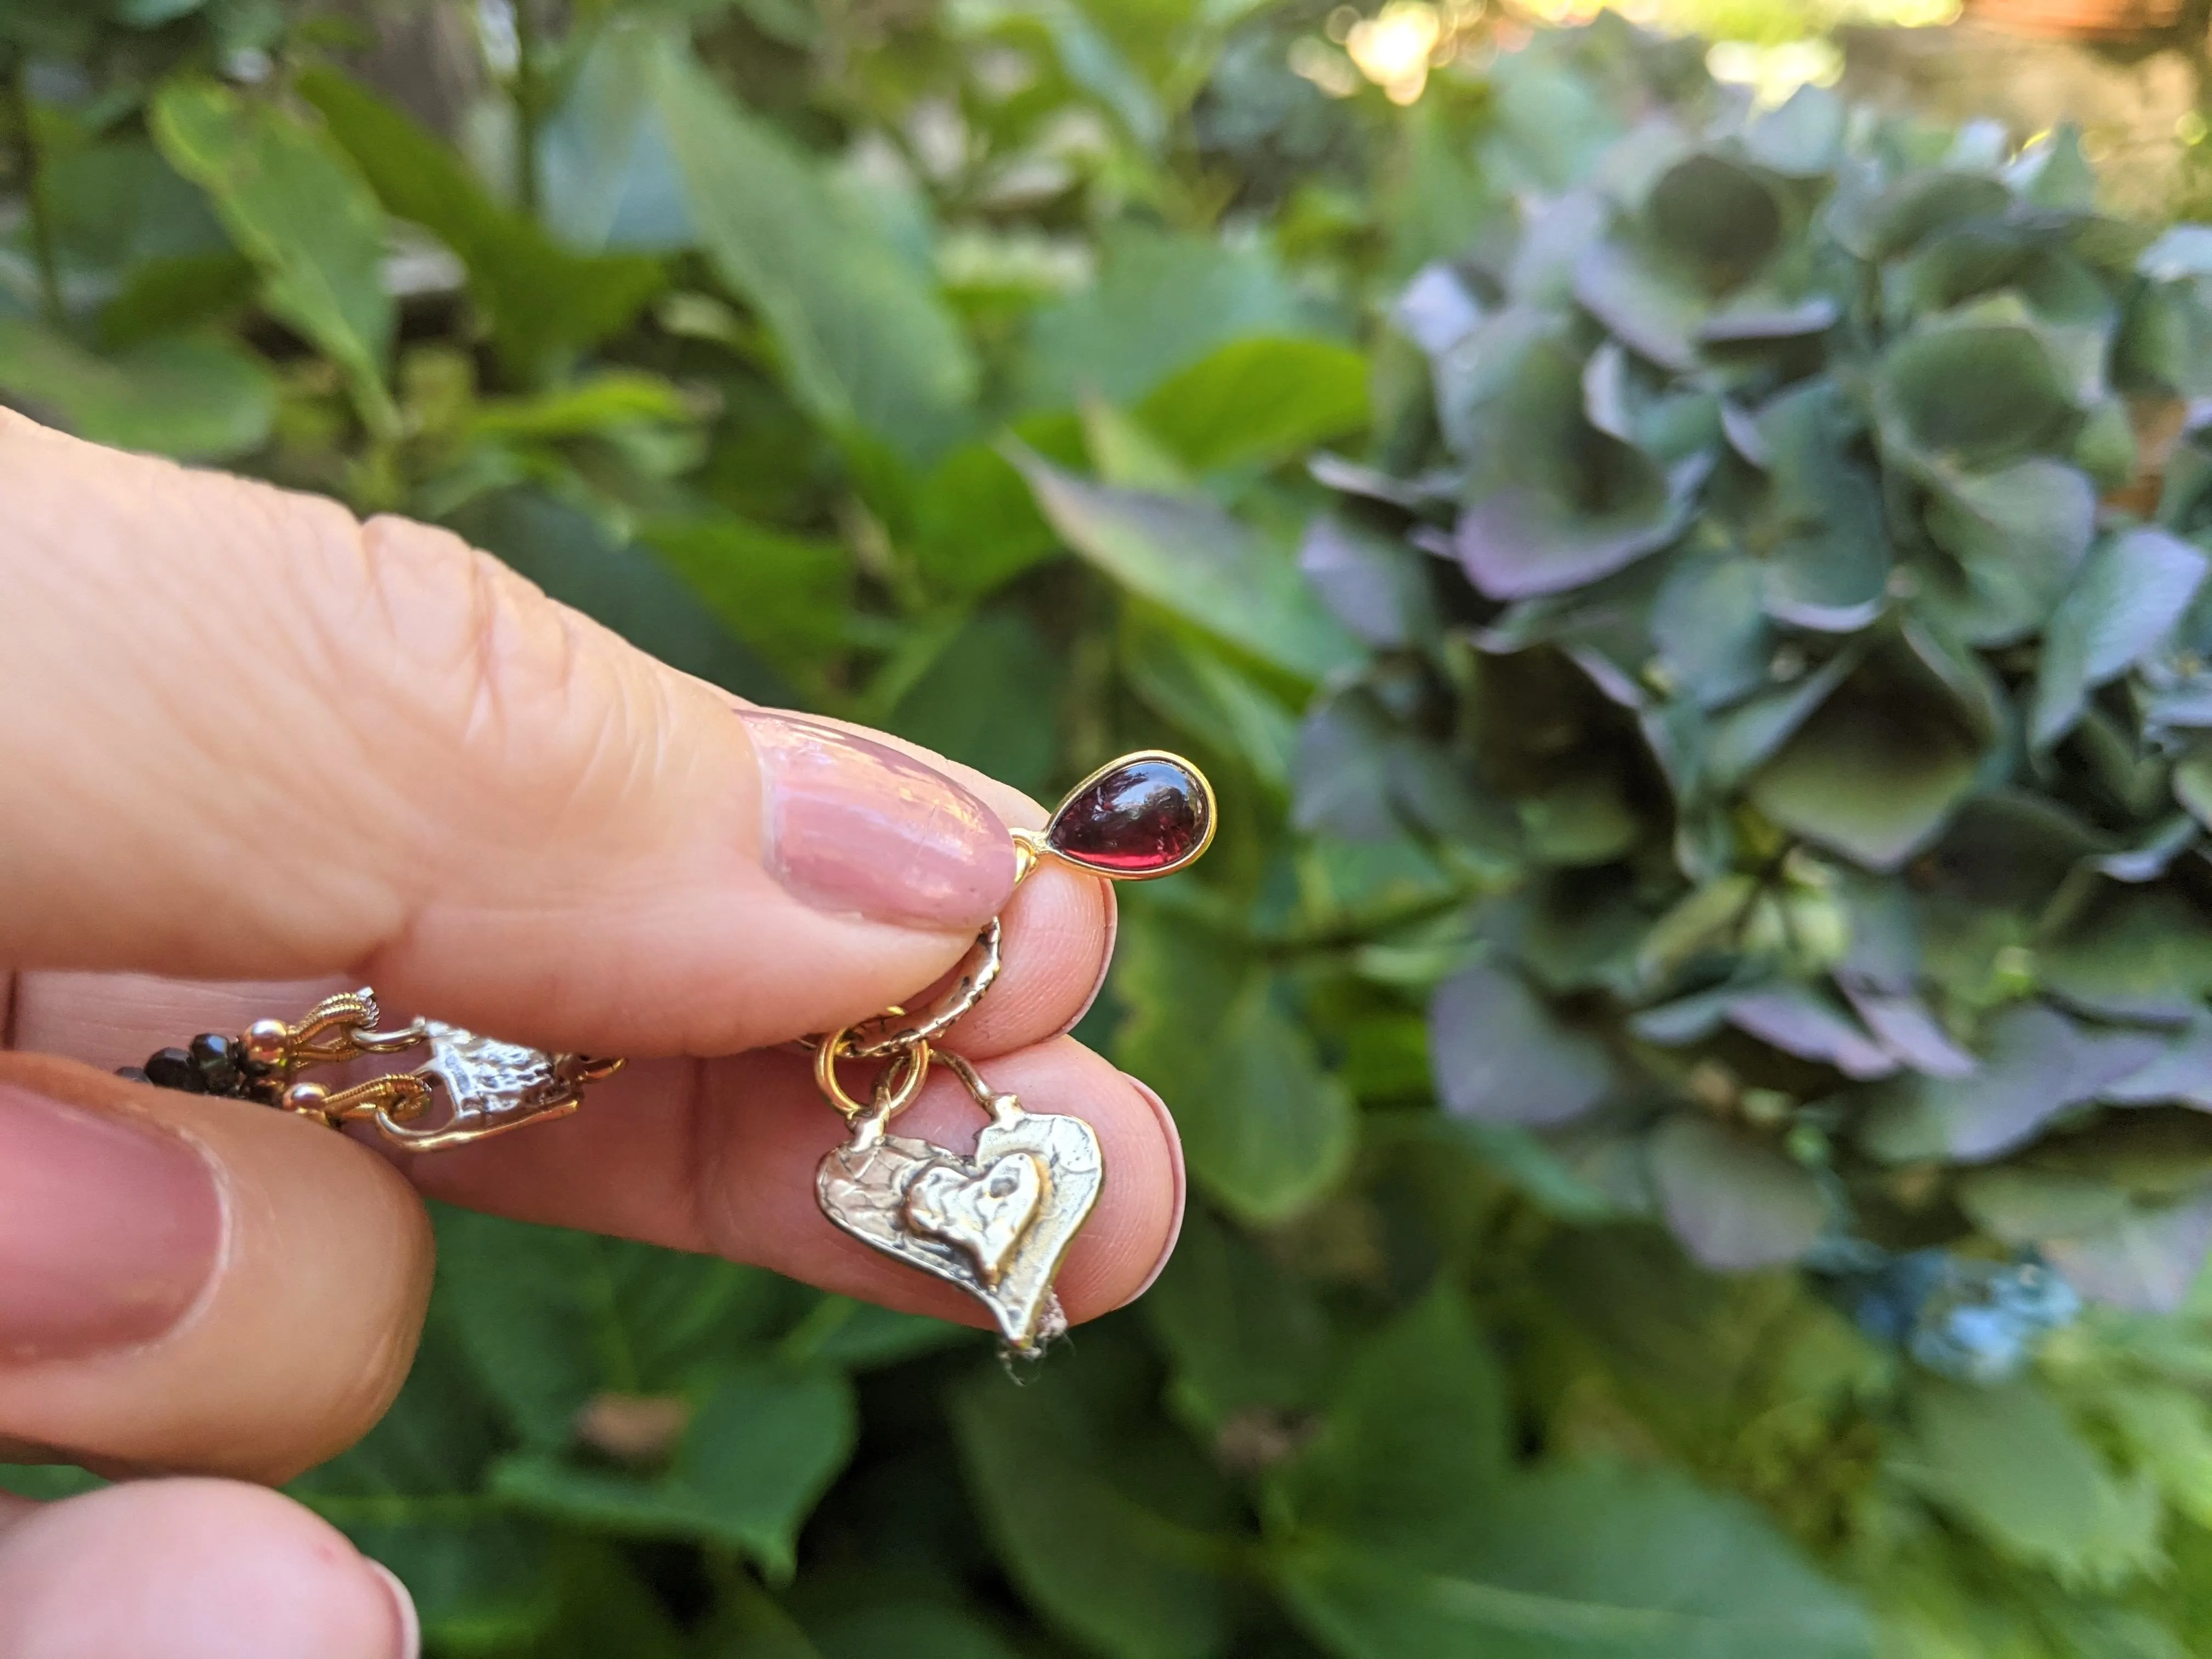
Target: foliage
x,y
1785,585
953,369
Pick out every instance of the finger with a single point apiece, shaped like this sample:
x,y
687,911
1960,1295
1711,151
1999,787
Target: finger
x,y
1058,944
188,1283
249,737
678,1153
193,1570
721,1157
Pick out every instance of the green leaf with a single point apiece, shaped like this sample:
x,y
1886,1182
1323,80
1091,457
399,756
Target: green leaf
x,y
2035,1062
412,1495
1502,1056
1161,302
1735,1202
785,596
1180,674
1974,393
1413,1450
2168,1431
990,699
197,398
540,298
1596,1563
1375,584
551,1318
1112,1533
1876,771
2128,597
626,587
1207,1028
976,523
2134,952
758,1454
1264,401
296,207
1553,502
2018,533
2010,1462
1187,556
1241,1330
863,336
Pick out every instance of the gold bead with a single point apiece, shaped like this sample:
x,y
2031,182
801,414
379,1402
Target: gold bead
x,y
266,1041
307,1099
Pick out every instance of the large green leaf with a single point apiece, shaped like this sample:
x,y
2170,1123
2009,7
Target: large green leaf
x,y
1187,554
2034,1063
552,1318
1974,392
1267,1130
1502,1056
784,595
764,1443
1161,303
539,297
1735,1202
2010,1462
1876,770
862,334
626,587
195,398
1241,1330
413,1495
988,699
1413,1450
296,206
1258,400
1106,1530
2017,533
2127,598
1580,1564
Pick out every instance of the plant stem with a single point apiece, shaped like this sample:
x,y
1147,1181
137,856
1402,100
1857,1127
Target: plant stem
x,y
527,109
17,91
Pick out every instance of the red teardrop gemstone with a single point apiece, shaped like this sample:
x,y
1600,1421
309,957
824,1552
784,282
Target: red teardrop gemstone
x,y
1143,818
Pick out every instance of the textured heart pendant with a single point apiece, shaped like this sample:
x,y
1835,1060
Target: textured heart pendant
x,y
997,1222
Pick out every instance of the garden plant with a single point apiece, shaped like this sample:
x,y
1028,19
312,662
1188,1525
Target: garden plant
x,y
1691,1042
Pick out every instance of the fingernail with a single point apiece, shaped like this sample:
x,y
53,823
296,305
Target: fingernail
x,y
109,1229
1175,1152
857,827
410,1623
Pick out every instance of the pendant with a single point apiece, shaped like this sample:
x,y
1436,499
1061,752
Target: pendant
x,y
997,1222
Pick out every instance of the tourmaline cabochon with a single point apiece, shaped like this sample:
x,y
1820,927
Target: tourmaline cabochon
x,y
1141,817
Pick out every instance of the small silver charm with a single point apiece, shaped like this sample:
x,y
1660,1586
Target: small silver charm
x,y
996,1222
489,1086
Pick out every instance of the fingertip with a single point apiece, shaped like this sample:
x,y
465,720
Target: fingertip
x,y
409,1642
1173,1138
192,1569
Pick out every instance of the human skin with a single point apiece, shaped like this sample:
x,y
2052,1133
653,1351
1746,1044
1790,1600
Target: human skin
x,y
254,751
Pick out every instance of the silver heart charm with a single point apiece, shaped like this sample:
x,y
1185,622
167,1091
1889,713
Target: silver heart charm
x,y
997,1222
986,1215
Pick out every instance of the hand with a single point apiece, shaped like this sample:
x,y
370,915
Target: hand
x,y
249,739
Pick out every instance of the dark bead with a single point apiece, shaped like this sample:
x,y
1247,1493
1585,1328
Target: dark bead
x,y
132,1074
173,1068
216,1056
1139,819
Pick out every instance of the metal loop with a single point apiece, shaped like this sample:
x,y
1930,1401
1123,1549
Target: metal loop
x,y
967,990
910,1066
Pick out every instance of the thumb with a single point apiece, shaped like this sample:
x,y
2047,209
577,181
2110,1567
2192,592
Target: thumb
x,y
249,737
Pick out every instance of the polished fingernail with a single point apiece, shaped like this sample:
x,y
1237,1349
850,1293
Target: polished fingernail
x,y
110,1229
856,828
410,1624
1167,1123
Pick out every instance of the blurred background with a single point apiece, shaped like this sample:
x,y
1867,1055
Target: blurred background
x,y
1679,534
